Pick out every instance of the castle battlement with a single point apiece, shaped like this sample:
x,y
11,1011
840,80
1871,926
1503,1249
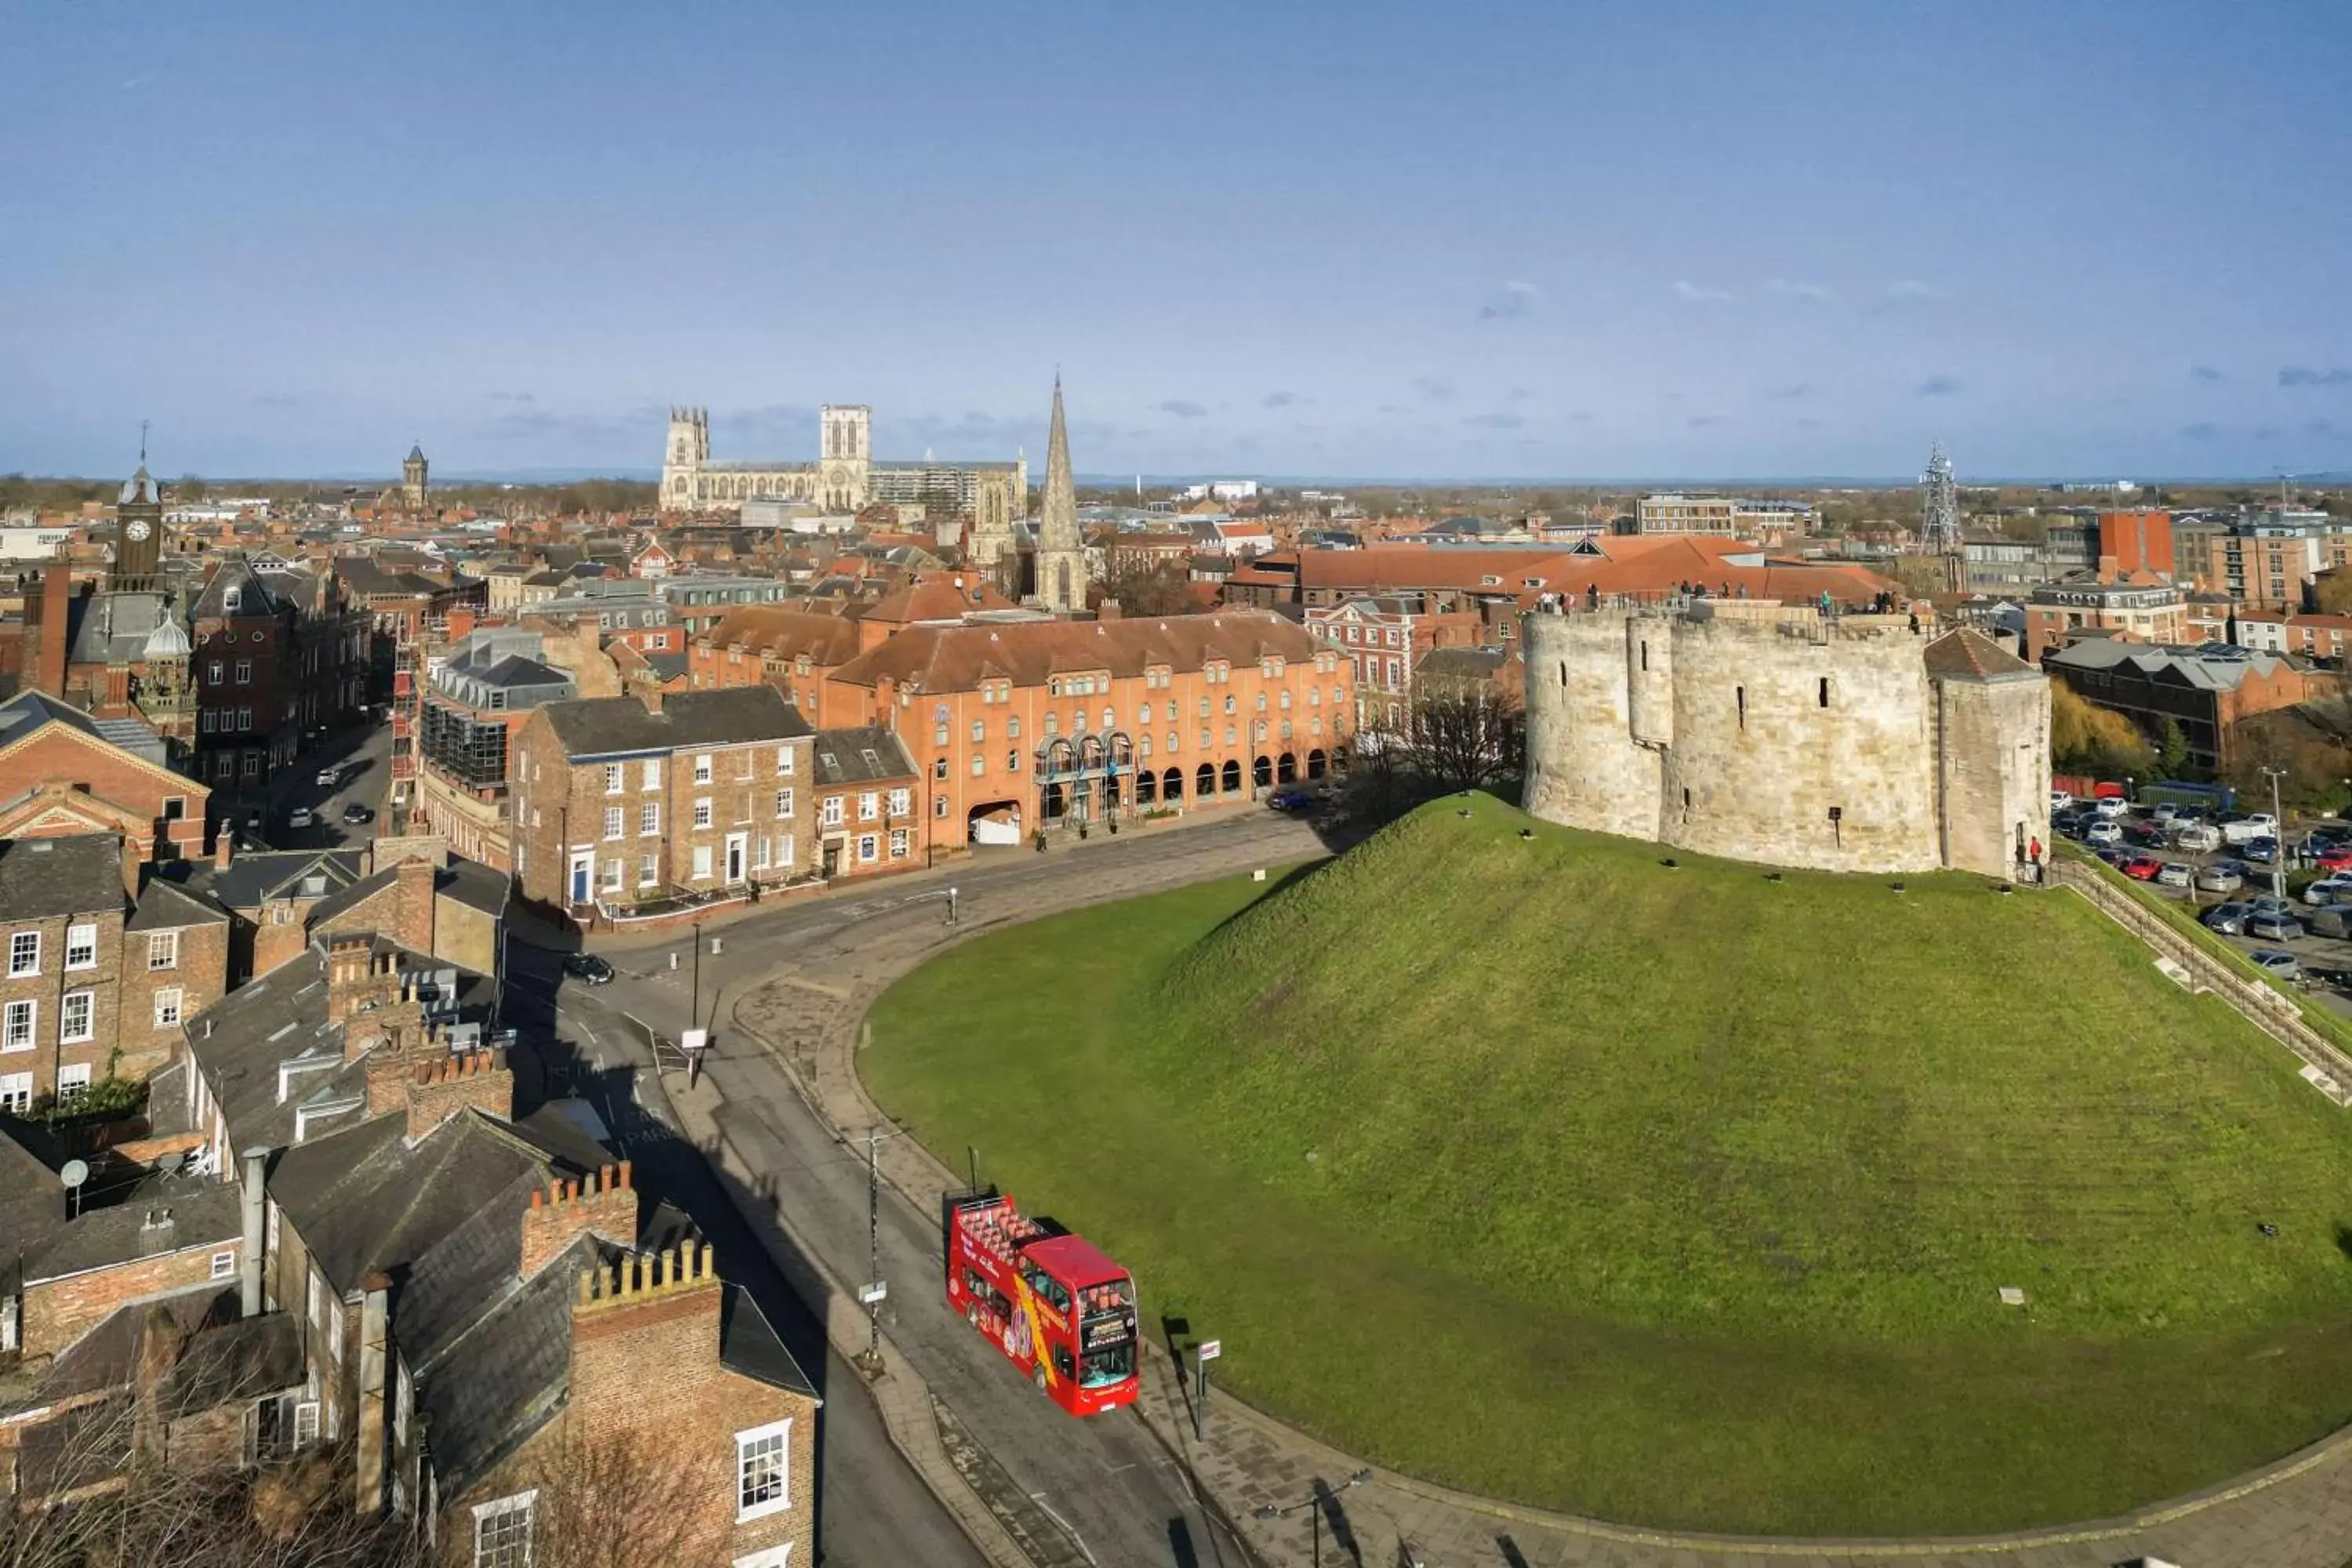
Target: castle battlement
x,y
1769,732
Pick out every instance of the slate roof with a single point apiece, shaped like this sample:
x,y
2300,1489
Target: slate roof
x,y
748,1344
25,713
510,1371
255,595
863,755
242,1360
615,726
106,1356
786,631
165,906
40,877
957,658
114,628
343,898
252,880
1461,663
2210,666
471,882
202,1210
1967,654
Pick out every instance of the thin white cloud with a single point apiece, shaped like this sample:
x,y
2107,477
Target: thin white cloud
x,y
1811,293
1698,294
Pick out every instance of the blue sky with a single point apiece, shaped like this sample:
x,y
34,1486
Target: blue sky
x,y
1373,238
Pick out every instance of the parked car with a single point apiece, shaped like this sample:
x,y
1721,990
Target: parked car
x,y
301,816
2261,851
2221,877
2202,838
252,820
329,777
2338,858
2227,919
2142,867
2246,826
2271,904
355,813
587,966
2329,919
1291,800
2271,926
2147,835
2328,890
2112,805
2059,801
2177,874
2278,965
2102,831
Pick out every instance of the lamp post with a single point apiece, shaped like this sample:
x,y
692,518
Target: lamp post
x,y
2278,836
1314,1506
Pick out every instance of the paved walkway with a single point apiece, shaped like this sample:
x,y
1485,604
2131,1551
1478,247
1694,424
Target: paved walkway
x,y
808,1015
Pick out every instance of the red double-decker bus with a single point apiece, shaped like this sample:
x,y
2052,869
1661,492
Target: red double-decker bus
x,y
1058,1309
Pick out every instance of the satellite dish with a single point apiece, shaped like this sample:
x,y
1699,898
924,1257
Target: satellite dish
x,y
74,1173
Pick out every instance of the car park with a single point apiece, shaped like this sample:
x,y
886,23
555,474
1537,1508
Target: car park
x,y
2147,835
2103,832
2228,918
2338,858
2060,800
2199,838
301,816
2112,805
2177,874
2221,877
2329,920
2269,925
2276,964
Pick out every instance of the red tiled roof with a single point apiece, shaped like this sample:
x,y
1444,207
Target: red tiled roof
x,y
957,657
785,633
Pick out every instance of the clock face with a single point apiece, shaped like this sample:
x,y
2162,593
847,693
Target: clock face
x,y
138,530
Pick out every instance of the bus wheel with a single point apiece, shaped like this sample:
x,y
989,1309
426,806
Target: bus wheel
x,y
1037,1376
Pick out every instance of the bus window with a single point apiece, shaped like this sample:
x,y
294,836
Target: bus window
x,y
1047,1288
1113,1364
1063,1367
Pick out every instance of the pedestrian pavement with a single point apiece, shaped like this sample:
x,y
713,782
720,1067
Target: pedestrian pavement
x,y
807,1015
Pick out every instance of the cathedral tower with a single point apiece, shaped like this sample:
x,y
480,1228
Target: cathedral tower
x,y
688,449
846,455
1061,554
412,478
138,535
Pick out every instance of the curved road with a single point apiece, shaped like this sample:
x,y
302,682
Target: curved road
x,y
1092,1494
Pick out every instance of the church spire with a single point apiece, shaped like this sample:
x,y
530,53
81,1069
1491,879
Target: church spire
x,y
1061,576
1057,529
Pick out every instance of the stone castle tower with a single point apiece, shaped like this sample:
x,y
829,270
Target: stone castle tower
x,y
1763,732
412,478
1061,553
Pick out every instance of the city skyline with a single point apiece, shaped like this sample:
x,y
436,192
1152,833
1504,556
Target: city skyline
x,y
1504,243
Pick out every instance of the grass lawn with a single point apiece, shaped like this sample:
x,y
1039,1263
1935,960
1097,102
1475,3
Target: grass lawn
x,y
1675,1196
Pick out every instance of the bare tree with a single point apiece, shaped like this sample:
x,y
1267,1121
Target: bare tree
x,y
1464,735
615,1499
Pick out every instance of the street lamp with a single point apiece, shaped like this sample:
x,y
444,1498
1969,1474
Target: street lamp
x,y
2278,836
1313,1505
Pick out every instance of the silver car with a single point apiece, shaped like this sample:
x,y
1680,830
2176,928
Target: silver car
x,y
2276,964
2175,874
2220,877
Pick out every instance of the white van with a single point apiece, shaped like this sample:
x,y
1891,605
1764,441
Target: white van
x,y
2253,826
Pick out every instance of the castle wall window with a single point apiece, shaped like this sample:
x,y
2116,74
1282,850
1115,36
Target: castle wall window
x,y
1739,694
1825,692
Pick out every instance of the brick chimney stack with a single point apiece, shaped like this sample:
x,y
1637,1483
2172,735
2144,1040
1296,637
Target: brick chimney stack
x,y
436,1085
48,615
606,1204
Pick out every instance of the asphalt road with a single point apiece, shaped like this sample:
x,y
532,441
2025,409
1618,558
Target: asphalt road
x,y
1110,1491
365,751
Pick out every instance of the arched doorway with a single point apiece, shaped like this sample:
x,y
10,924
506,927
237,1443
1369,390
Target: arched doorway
x,y
994,821
1233,780
1204,782
1262,772
1147,788
1171,786
1316,762
1285,769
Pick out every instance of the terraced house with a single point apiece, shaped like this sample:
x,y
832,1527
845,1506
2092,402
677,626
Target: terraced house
x,y
622,803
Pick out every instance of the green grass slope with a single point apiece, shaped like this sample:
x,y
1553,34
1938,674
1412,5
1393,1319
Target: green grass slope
x,y
1679,1197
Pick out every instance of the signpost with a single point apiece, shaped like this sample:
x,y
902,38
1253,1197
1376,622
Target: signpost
x,y
1203,1354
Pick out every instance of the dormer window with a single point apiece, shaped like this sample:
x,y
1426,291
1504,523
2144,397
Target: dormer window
x,y
231,598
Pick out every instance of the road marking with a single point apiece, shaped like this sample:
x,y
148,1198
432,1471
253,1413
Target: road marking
x,y
1067,1528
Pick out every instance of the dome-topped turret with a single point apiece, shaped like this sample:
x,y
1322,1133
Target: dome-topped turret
x,y
138,489
168,640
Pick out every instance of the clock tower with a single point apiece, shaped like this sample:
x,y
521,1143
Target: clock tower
x,y
138,536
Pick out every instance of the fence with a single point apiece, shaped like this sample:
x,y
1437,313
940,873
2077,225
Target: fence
x,y
2266,1007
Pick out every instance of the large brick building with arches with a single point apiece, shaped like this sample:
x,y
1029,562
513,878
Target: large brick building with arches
x,y
1021,725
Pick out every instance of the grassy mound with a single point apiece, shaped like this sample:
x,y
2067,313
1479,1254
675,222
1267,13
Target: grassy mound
x,y
1681,1196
